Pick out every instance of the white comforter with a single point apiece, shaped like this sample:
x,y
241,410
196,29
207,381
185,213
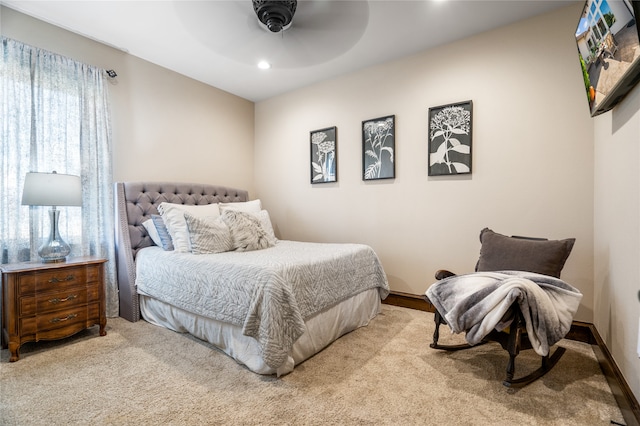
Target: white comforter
x,y
269,293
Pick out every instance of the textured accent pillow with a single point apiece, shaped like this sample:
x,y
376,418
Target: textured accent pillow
x,y
265,222
253,206
246,231
173,217
163,232
152,231
208,234
158,232
499,252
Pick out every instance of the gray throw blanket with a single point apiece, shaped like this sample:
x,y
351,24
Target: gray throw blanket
x,y
478,303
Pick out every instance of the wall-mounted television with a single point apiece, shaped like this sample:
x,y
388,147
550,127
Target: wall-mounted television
x,y
608,39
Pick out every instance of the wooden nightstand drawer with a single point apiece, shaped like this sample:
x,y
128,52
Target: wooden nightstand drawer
x,y
55,280
44,303
54,320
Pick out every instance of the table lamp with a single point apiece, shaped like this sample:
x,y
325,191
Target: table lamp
x,y
52,189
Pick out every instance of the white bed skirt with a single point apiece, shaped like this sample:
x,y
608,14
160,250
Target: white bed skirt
x,y
322,329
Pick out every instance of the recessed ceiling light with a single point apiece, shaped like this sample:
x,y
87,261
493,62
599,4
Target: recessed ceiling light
x,y
264,65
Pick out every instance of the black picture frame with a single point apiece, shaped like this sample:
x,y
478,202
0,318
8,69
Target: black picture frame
x,y
450,139
378,148
324,155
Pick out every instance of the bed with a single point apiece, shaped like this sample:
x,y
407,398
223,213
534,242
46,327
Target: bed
x,y
269,308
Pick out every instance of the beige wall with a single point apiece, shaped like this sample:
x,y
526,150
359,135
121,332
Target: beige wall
x,y
617,234
165,126
532,155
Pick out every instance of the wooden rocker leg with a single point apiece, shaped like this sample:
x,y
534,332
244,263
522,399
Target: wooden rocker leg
x,y
437,318
513,347
514,344
547,364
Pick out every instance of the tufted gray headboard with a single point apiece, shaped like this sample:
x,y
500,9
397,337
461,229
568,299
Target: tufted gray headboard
x,y
135,203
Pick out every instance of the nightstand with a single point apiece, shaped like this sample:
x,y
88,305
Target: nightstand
x,y
49,301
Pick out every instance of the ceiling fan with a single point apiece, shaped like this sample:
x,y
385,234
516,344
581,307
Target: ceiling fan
x,y
275,15
249,31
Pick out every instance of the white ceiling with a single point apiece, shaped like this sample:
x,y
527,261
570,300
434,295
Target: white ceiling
x,y
220,42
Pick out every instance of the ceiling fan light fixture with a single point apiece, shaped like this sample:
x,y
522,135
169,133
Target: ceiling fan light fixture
x,y
276,15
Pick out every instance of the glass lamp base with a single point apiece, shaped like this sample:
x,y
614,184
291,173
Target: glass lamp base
x,y
55,249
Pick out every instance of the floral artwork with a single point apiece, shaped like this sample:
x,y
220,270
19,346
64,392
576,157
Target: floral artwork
x,y
378,146
450,139
323,155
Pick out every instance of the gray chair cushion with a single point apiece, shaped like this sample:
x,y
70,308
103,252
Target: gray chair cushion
x,y
500,252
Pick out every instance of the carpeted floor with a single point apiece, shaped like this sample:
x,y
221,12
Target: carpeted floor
x,y
384,373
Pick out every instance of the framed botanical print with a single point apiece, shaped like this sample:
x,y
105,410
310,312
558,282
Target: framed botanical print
x,y
378,148
450,139
324,158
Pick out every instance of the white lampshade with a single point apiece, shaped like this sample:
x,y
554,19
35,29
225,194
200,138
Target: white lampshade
x,y
52,189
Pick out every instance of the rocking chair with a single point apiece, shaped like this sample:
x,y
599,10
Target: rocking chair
x,y
502,253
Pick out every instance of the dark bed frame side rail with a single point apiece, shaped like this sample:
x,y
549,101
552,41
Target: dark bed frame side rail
x,y
135,203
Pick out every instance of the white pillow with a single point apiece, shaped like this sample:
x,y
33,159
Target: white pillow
x,y
208,234
173,217
246,231
253,206
158,232
265,221
153,232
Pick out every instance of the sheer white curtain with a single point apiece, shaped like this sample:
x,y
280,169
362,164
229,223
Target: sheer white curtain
x,y
54,115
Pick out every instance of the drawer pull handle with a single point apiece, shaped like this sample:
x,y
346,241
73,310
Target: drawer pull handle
x,y
68,317
58,280
58,300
